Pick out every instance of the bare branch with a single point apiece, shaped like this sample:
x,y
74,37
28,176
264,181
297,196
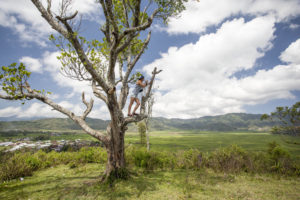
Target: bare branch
x,y
135,118
49,6
89,106
68,18
145,98
49,18
31,94
98,93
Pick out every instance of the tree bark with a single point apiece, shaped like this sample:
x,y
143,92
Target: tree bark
x,y
115,166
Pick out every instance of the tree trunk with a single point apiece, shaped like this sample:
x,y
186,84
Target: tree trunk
x,y
116,166
147,136
115,157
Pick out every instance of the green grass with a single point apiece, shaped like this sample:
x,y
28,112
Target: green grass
x,y
209,141
204,141
83,183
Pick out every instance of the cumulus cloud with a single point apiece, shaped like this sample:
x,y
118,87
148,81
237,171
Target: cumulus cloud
x,y
10,111
291,54
25,20
198,16
198,79
32,64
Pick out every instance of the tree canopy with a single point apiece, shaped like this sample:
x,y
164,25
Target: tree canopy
x,y
289,117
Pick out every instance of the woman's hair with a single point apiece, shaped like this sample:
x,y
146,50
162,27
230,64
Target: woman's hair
x,y
141,77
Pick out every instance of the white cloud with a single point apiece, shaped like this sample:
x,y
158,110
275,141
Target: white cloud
x,y
25,20
294,26
38,110
291,54
9,111
32,64
198,79
43,110
198,16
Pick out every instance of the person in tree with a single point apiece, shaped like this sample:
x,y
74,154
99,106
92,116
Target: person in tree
x,y
136,95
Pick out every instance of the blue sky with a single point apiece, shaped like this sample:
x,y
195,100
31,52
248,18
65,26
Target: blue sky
x,y
218,57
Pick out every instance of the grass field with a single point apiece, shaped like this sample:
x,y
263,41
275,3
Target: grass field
x,y
209,141
204,141
83,183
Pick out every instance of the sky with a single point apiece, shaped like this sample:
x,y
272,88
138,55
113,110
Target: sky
x,y
218,57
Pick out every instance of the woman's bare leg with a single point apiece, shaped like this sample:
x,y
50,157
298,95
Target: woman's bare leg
x,y
130,104
137,105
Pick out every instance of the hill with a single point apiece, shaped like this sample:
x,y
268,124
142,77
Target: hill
x,y
228,122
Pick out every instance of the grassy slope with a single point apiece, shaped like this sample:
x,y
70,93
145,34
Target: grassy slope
x,y
82,183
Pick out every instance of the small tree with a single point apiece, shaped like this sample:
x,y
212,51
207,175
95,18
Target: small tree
x,y
150,103
289,118
142,132
96,62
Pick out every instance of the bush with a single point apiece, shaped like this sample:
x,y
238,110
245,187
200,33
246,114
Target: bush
x,y
139,157
230,159
18,165
280,158
190,159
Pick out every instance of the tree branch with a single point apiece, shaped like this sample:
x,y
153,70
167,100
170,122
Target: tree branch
x,y
89,106
106,31
135,118
68,33
125,11
31,94
131,32
145,98
98,93
49,18
125,89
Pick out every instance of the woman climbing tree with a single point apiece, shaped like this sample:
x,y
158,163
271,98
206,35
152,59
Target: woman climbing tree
x,y
136,95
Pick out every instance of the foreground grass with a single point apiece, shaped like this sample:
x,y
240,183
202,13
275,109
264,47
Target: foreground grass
x,y
83,183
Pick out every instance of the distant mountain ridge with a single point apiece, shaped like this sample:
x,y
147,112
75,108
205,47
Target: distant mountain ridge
x,y
227,122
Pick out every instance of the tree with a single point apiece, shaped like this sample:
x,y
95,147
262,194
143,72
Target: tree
x,y
96,61
288,116
150,103
142,132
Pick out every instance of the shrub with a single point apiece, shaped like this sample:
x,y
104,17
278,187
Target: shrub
x,y
190,159
230,159
280,158
140,157
18,165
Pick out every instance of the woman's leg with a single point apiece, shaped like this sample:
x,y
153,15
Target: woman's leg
x,y
137,105
130,104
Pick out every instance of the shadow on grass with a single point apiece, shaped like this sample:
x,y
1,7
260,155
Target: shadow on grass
x,y
81,186
76,187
